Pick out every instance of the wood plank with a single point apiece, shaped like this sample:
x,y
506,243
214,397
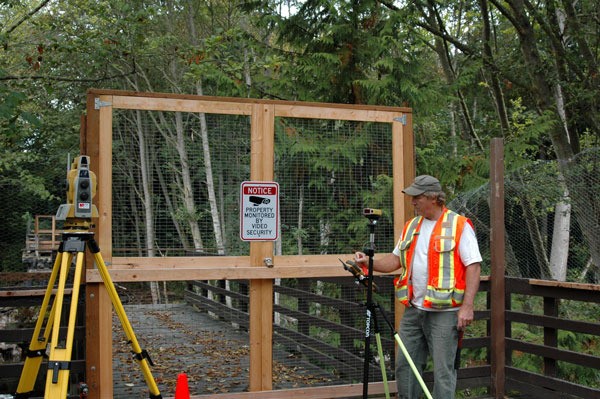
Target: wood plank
x,y
498,284
103,172
261,291
554,289
565,284
133,269
328,392
215,273
29,293
403,164
554,322
237,100
547,387
97,144
549,352
196,105
336,113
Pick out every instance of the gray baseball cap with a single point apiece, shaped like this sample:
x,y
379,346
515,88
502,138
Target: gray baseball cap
x,y
423,184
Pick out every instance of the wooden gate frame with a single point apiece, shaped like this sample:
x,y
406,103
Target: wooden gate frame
x,y
96,141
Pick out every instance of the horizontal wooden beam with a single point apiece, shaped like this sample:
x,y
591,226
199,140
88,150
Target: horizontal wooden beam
x,y
541,386
146,99
181,105
565,284
338,391
132,269
290,110
28,293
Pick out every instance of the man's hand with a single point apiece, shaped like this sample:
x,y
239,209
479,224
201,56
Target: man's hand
x,y
389,263
465,312
362,261
360,257
465,316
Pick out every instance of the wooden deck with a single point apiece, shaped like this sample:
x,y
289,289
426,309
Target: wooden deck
x,y
214,355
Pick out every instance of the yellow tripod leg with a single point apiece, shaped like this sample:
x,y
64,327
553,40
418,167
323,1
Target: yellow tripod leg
x,y
57,380
37,346
141,356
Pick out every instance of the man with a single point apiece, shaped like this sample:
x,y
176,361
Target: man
x,y
440,264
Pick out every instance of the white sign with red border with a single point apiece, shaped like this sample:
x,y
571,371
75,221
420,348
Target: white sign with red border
x,y
259,211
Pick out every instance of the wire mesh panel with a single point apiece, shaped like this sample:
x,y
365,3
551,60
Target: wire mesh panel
x,y
329,171
551,219
177,177
322,321
176,181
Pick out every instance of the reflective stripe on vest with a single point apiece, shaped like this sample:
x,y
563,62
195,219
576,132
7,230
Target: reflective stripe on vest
x,y
407,245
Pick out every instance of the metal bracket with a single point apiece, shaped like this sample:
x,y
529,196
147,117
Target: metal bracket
x,y
56,366
401,119
268,262
99,103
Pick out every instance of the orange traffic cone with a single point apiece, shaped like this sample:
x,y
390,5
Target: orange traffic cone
x,y
182,391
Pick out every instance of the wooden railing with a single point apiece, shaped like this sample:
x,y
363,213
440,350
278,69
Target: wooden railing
x,y
16,337
344,357
231,306
556,299
543,317
546,383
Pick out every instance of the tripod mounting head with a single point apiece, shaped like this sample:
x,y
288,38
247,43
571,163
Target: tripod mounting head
x,y
81,189
372,214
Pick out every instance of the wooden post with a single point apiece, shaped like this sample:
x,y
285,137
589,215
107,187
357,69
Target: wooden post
x,y
403,163
551,336
497,245
97,143
261,291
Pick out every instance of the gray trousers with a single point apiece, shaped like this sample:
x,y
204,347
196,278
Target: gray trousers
x,y
426,333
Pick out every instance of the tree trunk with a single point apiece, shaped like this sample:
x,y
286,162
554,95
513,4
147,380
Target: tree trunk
x,y
171,208
488,60
542,88
537,241
210,184
442,51
145,168
187,188
560,239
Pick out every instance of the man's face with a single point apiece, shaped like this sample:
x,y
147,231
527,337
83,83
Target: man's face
x,y
426,207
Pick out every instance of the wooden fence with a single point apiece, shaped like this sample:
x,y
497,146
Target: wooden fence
x,y
556,299
97,140
16,335
474,374
548,304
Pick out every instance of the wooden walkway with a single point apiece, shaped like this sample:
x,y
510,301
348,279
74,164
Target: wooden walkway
x,y
214,355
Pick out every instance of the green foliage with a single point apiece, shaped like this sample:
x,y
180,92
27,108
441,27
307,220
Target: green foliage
x,y
525,140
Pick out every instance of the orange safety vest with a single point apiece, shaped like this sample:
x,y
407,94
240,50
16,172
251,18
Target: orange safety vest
x,y
446,281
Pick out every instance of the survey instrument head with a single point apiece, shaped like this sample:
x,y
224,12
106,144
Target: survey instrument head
x,y
81,189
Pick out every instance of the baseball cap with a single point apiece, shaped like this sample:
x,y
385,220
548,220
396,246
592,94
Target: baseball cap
x,y
423,184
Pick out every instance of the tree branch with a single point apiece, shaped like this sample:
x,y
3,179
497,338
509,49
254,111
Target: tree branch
x,y
27,16
67,79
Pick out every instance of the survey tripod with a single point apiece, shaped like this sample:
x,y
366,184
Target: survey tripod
x,y
366,278
77,214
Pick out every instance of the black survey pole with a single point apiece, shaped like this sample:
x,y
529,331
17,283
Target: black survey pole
x,y
373,216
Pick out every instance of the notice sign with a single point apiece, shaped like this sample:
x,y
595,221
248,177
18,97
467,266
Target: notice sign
x,y
259,211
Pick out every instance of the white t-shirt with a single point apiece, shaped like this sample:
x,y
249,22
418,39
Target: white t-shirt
x,y
468,250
